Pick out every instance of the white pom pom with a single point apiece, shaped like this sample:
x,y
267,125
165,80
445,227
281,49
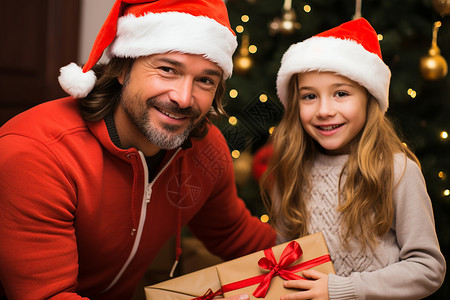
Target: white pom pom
x,y
75,82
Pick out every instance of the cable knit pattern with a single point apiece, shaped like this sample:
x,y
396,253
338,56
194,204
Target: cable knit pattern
x,y
322,205
406,264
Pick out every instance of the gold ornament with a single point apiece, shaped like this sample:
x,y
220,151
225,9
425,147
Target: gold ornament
x,y
442,7
288,23
433,66
243,168
243,61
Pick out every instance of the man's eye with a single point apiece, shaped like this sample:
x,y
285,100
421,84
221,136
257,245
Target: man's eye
x,y
166,69
207,81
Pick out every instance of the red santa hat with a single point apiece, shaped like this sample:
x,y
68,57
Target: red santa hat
x,y
137,28
351,50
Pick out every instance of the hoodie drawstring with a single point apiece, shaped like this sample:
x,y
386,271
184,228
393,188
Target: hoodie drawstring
x,y
178,250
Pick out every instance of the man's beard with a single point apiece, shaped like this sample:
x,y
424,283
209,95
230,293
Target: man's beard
x,y
161,135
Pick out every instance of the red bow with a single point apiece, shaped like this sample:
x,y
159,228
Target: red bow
x,y
290,254
209,295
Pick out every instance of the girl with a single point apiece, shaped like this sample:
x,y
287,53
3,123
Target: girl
x,y
339,167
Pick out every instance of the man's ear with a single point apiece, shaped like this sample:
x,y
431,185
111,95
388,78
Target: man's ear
x,y
124,76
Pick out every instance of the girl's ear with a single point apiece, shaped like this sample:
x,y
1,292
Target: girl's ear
x,y
121,77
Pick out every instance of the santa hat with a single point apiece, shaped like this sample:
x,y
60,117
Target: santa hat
x,y
351,50
137,28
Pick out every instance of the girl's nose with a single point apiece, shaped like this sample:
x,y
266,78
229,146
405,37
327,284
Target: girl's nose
x,y
325,108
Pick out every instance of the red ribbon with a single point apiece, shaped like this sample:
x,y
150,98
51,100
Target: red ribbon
x,y
290,254
209,295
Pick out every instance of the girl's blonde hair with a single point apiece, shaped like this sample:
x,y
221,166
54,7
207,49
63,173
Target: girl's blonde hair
x,y
365,198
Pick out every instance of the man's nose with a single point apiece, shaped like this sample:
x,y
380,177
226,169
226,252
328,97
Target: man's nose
x,y
182,93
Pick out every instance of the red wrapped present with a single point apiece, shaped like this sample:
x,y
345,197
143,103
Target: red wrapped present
x,y
260,274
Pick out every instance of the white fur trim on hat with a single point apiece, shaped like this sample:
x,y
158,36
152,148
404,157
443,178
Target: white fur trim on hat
x,y
173,31
344,57
75,82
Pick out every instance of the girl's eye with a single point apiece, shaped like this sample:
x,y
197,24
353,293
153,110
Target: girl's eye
x,y
308,97
341,94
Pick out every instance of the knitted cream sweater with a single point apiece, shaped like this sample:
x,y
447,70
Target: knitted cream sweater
x,y
407,263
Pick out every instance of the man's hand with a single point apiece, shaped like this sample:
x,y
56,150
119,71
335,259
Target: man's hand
x,y
316,288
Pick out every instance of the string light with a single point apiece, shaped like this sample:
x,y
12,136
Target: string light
x,y
245,18
263,98
264,218
412,93
446,192
232,120
252,49
442,175
444,135
307,8
235,153
271,129
380,37
233,93
239,29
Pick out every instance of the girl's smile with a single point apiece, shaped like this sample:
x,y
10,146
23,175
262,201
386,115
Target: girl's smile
x,y
332,109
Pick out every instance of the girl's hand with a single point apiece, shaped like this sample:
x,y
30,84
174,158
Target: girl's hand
x,y
316,288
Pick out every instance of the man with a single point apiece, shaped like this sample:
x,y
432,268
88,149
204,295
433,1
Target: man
x,y
91,186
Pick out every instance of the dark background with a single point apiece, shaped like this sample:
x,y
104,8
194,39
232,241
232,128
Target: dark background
x,y
406,26
42,36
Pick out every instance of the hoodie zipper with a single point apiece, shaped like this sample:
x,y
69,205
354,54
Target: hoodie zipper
x,y
145,201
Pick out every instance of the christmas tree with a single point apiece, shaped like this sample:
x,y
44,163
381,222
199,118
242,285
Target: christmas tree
x,y
411,34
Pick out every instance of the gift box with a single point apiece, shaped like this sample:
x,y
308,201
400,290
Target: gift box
x,y
260,274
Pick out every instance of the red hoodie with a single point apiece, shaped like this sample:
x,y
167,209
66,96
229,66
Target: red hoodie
x,y
79,218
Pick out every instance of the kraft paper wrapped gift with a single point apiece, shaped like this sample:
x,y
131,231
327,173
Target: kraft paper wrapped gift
x,y
257,274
